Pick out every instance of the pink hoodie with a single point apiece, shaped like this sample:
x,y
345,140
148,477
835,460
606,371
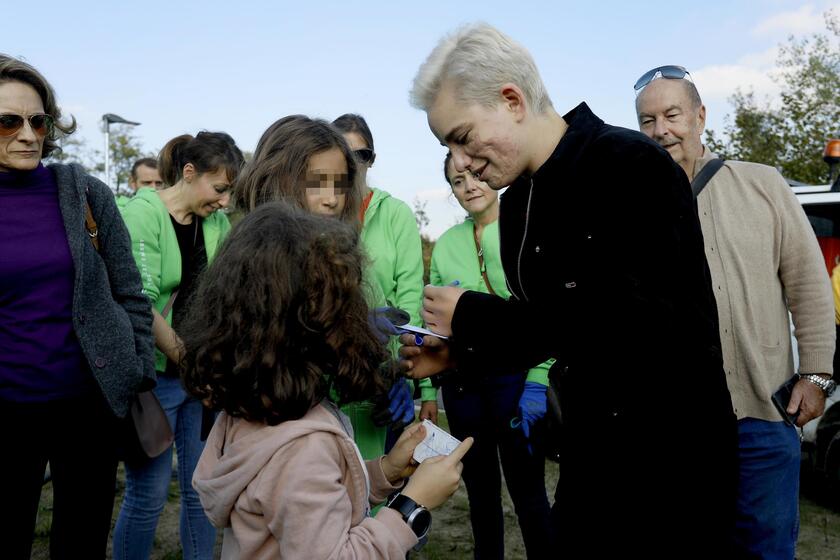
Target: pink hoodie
x,y
296,490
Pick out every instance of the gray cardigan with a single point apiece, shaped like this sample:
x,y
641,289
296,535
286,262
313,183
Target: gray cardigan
x,y
111,316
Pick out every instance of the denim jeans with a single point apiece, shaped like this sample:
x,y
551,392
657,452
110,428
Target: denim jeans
x,y
147,486
484,411
767,522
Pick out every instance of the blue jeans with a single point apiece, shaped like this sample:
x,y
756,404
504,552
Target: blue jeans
x,y
767,522
484,411
147,486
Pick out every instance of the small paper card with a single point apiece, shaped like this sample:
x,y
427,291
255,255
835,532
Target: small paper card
x,y
437,442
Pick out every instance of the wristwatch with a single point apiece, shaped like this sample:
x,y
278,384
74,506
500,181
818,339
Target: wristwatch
x,y
827,385
418,518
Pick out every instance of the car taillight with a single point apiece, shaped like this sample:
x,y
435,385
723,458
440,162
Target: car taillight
x,y
831,155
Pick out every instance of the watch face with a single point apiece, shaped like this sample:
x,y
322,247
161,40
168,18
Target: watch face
x,y
420,522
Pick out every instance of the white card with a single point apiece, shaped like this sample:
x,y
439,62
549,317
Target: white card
x,y
419,330
437,442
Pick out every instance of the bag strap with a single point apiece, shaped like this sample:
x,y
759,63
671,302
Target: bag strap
x,y
705,175
169,303
90,225
482,266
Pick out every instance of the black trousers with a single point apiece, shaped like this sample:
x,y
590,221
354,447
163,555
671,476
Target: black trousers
x,y
484,411
78,438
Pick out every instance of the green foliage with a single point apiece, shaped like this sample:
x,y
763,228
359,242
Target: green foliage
x,y
125,148
792,137
428,244
74,149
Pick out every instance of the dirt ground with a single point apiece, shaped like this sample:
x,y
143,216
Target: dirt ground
x,y
451,537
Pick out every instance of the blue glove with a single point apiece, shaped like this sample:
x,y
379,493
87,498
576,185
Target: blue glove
x,y
401,405
382,320
532,406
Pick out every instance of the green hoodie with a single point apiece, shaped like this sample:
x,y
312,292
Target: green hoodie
x,y
392,242
155,248
369,437
122,201
455,257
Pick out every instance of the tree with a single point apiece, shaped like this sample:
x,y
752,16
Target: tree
x,y
426,242
74,149
125,149
791,138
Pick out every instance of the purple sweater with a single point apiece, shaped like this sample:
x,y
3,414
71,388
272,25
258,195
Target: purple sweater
x,y
40,356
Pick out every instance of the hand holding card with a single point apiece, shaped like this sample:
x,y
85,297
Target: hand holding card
x,y
437,442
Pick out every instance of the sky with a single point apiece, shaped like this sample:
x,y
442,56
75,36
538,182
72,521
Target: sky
x,y
182,66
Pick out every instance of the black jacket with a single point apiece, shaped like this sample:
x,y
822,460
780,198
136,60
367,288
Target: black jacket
x,y
603,254
111,316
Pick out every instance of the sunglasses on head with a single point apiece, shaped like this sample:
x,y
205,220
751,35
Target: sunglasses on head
x,y
670,71
364,155
40,123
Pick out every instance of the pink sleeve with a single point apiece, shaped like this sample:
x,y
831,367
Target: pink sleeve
x,y
380,488
309,511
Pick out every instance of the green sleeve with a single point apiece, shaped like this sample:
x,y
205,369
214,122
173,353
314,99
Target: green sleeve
x,y
143,226
427,391
539,374
434,275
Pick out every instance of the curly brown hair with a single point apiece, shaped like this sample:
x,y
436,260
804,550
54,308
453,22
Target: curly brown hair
x,y
280,318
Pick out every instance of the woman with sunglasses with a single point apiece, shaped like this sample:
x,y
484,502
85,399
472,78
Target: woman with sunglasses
x,y
392,242
499,411
175,233
75,328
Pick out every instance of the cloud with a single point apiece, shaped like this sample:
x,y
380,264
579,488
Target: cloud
x,y
752,72
719,83
806,19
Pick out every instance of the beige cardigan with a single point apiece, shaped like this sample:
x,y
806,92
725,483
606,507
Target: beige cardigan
x,y
764,260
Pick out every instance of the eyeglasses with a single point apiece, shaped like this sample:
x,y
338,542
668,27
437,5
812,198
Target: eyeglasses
x,y
40,123
671,72
364,155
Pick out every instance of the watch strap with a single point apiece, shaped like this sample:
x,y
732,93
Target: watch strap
x,y
409,510
827,385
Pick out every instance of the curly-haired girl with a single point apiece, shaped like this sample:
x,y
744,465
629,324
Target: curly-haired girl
x,y
279,324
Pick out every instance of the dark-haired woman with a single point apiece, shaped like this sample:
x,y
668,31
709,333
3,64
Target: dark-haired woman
x,y
174,234
75,329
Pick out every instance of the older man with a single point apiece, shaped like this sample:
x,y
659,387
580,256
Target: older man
x,y
764,261
604,259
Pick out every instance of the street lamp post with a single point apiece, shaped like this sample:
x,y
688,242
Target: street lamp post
x,y
107,120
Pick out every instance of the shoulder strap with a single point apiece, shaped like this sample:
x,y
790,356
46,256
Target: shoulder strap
x,y
90,225
169,303
705,175
482,266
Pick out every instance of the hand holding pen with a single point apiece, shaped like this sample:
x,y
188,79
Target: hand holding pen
x,y
439,305
424,356
418,338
